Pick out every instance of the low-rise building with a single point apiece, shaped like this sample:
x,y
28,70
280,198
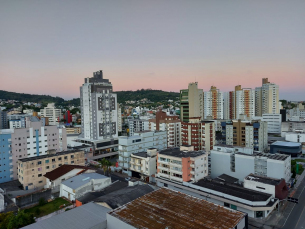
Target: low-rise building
x,y
31,170
274,122
144,164
73,130
276,187
137,125
226,160
182,164
62,173
293,126
293,149
79,185
255,204
165,208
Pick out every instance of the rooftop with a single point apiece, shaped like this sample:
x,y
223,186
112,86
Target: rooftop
x,y
233,190
261,179
49,155
275,156
123,196
140,154
62,170
226,178
165,208
288,144
80,180
176,152
86,216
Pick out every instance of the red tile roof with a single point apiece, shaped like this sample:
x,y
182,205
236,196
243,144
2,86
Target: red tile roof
x,y
62,170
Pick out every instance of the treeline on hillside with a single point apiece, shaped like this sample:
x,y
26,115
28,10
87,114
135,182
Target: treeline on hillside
x,y
29,97
151,95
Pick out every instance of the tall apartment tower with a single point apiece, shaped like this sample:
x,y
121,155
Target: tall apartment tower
x,y
213,103
98,108
191,102
239,102
267,98
3,120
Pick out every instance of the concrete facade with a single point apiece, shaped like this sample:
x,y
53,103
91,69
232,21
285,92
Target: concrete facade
x,y
54,115
31,170
6,161
212,104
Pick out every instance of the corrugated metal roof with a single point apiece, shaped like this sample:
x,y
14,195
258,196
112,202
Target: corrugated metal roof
x,y
80,180
83,217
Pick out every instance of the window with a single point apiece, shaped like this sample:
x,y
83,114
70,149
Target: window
x,y
59,158
53,166
226,204
40,182
60,165
72,156
47,161
40,175
39,169
47,167
53,160
72,162
39,163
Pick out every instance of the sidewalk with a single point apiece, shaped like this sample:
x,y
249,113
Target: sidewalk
x,y
278,218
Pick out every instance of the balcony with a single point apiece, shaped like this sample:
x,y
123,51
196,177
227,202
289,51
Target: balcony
x,y
163,175
192,172
192,165
176,178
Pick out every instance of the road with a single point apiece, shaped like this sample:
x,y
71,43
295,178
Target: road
x,y
296,219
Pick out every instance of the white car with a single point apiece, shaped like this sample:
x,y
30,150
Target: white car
x,y
127,178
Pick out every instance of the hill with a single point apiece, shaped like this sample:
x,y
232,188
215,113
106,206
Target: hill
x,y
123,96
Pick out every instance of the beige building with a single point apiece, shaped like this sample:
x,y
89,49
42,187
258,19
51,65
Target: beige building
x,y
213,104
52,113
31,171
73,130
267,99
191,102
145,164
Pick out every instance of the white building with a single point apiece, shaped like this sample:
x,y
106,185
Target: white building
x,y
274,122
98,108
240,102
169,123
145,163
79,185
52,113
292,126
182,164
119,119
233,163
213,103
141,141
15,123
267,98
136,125
295,137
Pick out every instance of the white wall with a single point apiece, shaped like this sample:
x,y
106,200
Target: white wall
x,y
252,184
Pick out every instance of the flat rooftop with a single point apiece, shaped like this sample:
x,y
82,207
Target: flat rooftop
x,y
49,155
80,180
261,179
165,208
226,178
141,154
176,152
233,190
276,156
287,144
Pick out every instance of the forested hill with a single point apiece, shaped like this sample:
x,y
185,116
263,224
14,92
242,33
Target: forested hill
x,y
123,96
29,97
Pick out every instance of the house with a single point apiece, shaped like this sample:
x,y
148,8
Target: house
x,y
64,172
79,185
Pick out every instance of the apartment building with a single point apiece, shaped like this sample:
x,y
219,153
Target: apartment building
x,y
227,160
6,156
212,104
137,125
54,115
169,123
144,164
3,120
200,134
182,164
240,102
293,126
73,130
298,111
191,102
119,118
274,122
31,171
141,141
252,134
267,98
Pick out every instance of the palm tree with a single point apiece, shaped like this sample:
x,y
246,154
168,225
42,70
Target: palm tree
x,y
104,164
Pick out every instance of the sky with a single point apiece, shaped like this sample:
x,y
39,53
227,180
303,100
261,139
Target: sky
x,y
49,47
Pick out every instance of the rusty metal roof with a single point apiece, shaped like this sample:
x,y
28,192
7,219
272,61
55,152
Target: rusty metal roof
x,y
165,208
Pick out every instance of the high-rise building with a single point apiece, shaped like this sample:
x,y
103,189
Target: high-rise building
x,y
240,102
169,123
213,104
267,99
197,133
191,102
3,120
98,108
52,113
253,134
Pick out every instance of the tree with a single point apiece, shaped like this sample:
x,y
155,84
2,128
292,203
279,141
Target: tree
x,y
104,164
20,220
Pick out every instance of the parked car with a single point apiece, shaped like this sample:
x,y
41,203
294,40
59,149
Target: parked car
x,y
127,178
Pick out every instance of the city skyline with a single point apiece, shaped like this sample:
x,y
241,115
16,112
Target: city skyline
x,y
50,47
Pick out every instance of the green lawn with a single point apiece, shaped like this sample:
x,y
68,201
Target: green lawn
x,y
48,208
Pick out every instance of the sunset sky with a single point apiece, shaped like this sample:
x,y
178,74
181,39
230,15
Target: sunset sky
x,y
49,47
